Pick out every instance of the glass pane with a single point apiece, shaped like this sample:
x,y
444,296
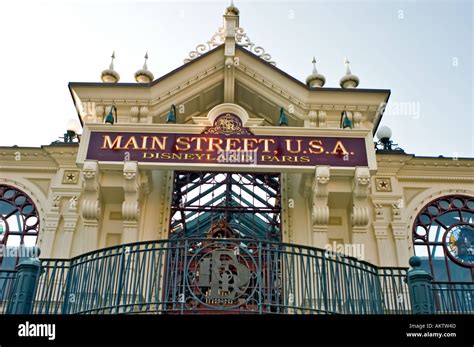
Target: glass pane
x,y
20,200
449,218
30,240
9,194
436,233
6,208
13,240
27,209
458,203
31,221
15,222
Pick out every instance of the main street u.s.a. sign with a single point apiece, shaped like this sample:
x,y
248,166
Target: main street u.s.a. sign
x,y
227,143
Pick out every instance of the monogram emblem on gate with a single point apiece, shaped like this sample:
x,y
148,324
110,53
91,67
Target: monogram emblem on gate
x,y
220,276
226,278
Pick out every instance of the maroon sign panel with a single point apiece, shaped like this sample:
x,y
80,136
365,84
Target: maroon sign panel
x,y
227,149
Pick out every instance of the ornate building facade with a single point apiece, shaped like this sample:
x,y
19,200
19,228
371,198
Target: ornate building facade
x,y
229,147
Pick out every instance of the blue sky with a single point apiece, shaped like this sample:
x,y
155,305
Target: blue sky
x,y
421,50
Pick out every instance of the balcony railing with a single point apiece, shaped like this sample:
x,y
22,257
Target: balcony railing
x,y
454,297
188,276
7,282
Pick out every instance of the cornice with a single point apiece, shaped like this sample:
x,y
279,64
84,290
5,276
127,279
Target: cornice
x,y
297,101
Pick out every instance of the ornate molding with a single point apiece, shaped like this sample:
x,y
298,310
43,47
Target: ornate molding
x,y
216,39
243,40
434,178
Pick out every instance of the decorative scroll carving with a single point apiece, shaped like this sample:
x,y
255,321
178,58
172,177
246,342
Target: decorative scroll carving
x,y
90,204
130,206
241,39
320,215
360,208
216,39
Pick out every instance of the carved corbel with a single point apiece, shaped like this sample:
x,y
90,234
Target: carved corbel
x,y
357,117
312,121
130,207
144,115
89,112
360,207
90,204
134,110
131,202
322,119
320,213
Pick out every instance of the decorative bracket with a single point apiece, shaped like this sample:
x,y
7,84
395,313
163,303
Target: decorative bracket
x,y
360,207
320,213
90,204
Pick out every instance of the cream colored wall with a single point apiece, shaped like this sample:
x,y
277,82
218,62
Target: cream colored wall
x,y
386,238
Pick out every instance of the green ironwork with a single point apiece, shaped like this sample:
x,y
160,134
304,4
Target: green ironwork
x,y
419,283
23,292
163,277
454,297
250,203
7,282
169,276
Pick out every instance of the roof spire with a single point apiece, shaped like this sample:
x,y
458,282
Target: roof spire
x,y
231,9
314,65
110,75
144,75
111,67
348,80
348,69
315,79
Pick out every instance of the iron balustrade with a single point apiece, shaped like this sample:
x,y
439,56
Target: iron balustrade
x,y
454,297
186,276
7,282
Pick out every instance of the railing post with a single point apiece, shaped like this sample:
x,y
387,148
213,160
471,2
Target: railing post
x,y
24,289
420,288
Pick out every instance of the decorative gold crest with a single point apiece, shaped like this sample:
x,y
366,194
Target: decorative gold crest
x,y
227,124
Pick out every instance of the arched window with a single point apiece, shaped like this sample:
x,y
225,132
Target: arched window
x,y
443,237
19,220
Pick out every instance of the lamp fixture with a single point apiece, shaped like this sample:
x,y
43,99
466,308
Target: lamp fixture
x,y
345,123
111,116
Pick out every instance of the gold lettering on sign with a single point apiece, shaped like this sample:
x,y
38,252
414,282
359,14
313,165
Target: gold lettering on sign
x,y
131,142
182,141
339,149
108,144
316,147
289,147
156,142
